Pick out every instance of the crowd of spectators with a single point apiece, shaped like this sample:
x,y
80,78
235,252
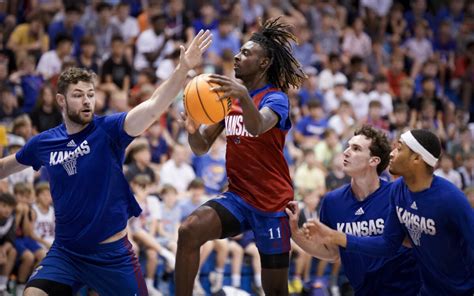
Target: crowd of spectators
x,y
395,65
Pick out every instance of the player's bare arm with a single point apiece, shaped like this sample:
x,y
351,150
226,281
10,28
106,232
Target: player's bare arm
x,y
143,115
201,139
256,121
312,246
9,165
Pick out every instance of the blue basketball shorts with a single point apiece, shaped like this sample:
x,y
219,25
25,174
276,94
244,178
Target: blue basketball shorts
x,y
270,229
109,269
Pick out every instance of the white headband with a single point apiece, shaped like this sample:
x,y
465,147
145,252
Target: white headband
x,y
414,145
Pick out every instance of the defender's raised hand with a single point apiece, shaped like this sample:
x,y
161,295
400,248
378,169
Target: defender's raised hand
x,y
192,56
293,212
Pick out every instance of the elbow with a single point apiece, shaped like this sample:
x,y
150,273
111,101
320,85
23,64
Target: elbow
x,y
198,151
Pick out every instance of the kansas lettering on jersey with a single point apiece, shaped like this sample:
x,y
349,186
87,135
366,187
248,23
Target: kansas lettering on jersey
x,y
362,228
415,224
68,159
256,168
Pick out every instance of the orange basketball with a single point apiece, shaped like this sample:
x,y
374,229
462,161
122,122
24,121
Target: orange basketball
x,y
202,104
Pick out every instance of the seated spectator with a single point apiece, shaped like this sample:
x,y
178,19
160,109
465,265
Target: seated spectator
x,y
7,238
381,94
326,149
69,26
29,250
153,44
224,38
395,74
102,29
144,229
168,225
46,113
116,70
29,38
138,161
9,107
210,167
195,197
87,58
29,81
336,176
51,62
466,170
177,171
356,42
328,75
336,94
43,216
375,118
310,128
343,121
447,171
160,142
358,98
309,175
244,244
418,48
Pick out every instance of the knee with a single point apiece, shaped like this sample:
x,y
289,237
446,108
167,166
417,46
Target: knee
x,y
189,233
27,257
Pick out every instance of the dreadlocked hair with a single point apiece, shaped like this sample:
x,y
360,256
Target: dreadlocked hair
x,y
275,38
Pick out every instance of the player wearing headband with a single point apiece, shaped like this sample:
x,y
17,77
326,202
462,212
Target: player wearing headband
x,y
430,211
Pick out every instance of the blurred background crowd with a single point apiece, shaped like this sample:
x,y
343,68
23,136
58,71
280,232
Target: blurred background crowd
x,y
395,65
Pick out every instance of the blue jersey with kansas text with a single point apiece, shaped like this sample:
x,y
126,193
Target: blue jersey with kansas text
x,y
92,199
440,224
396,275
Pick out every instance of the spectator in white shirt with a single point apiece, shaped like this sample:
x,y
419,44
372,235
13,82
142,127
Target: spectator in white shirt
x,y
358,98
381,94
446,171
334,96
176,171
327,76
51,62
356,42
153,44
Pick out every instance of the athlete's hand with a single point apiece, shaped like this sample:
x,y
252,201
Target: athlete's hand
x,y
293,212
188,123
314,229
228,87
192,56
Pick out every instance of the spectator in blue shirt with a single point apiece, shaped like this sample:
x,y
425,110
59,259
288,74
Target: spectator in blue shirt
x,y
70,25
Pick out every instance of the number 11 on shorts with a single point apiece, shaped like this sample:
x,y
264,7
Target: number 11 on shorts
x,y
278,234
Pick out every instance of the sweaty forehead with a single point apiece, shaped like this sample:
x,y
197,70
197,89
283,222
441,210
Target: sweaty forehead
x,y
253,47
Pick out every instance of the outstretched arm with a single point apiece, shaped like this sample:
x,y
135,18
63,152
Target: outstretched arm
x,y
312,246
9,165
377,246
143,115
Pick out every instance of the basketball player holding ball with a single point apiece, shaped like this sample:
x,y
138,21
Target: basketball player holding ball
x,y
259,182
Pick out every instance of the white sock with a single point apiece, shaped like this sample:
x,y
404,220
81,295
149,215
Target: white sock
x,y
20,288
3,280
258,280
149,282
169,257
236,280
216,284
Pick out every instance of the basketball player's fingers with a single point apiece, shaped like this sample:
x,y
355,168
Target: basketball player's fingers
x,y
205,43
290,214
219,78
196,38
204,35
